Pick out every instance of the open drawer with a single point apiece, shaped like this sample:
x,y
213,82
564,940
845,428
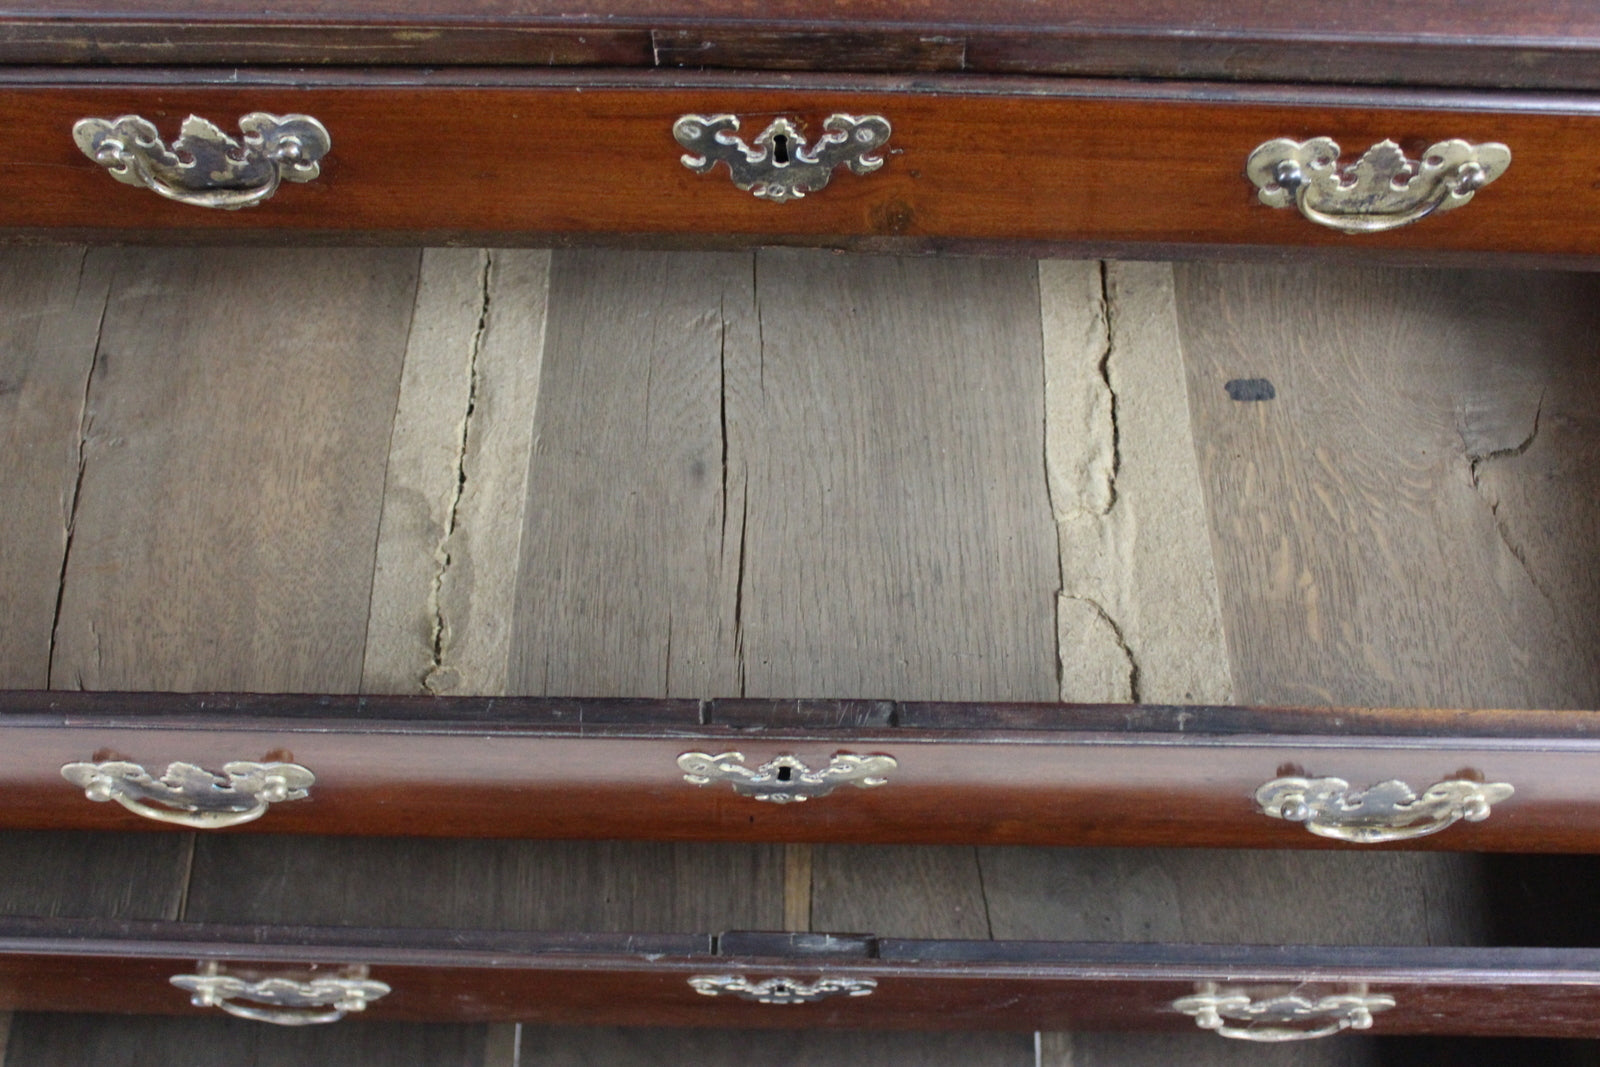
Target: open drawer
x,y
1398,944
803,770
724,159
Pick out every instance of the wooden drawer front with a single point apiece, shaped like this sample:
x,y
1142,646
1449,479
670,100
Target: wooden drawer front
x,y
974,160
964,773
642,980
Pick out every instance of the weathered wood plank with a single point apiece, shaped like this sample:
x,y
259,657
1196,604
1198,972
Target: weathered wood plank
x,y
1198,1050
478,589
1139,615
629,572
232,471
93,875
51,301
456,480
898,543
508,885
1374,519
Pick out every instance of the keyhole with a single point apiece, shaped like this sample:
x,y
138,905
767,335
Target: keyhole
x,y
780,154
783,774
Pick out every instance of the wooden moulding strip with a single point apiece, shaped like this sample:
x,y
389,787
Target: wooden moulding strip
x,y
974,720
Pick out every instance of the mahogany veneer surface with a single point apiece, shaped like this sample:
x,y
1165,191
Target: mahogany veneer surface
x,y
970,160
968,773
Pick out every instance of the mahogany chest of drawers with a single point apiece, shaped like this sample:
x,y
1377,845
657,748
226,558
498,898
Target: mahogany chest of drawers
x,y
1148,128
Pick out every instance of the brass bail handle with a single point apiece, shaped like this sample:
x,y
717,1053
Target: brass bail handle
x,y
1388,811
204,166
188,795
1382,190
281,1001
1274,1019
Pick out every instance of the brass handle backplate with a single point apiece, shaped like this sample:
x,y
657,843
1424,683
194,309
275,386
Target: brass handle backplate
x,y
191,796
204,166
1388,811
281,1001
1380,191
1285,1017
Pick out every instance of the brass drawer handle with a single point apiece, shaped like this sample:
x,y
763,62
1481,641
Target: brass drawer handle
x,y
191,796
779,165
1272,1019
1380,191
282,1001
1388,811
785,779
781,990
205,166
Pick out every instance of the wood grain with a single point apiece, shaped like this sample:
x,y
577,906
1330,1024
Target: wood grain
x,y
1359,560
804,1048
489,885
1138,618
477,586
630,553
1215,896
948,140
232,471
422,472
1060,1049
51,301
896,541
